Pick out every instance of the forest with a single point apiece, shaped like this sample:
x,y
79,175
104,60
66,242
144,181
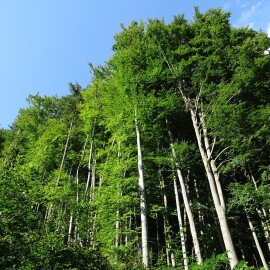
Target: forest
x,y
161,162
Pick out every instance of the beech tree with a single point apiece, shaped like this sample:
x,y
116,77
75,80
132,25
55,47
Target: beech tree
x,y
161,162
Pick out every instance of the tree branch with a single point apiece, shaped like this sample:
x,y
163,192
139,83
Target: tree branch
x,y
214,142
226,160
222,152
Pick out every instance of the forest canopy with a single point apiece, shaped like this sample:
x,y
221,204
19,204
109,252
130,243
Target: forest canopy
x,y
161,162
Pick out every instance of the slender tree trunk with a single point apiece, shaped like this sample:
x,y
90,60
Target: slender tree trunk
x,y
211,160
169,253
117,223
157,235
107,159
128,222
220,208
76,229
241,250
78,168
261,212
92,232
93,181
218,201
143,207
89,168
257,243
200,214
65,149
70,227
50,207
265,226
117,228
61,212
90,157
180,223
186,202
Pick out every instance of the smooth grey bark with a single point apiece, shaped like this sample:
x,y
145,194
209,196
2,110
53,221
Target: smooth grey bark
x,y
76,228
70,227
186,201
143,207
200,214
93,181
117,228
65,149
215,192
263,218
90,156
218,200
180,223
50,207
78,168
257,243
210,158
117,223
261,212
66,145
169,253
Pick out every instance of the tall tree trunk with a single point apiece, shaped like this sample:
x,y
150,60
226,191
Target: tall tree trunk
x,y
90,157
265,226
117,229
70,227
218,200
210,158
180,223
200,213
76,229
215,192
257,243
261,212
65,149
78,168
117,223
186,201
50,207
143,207
169,253
128,226
93,181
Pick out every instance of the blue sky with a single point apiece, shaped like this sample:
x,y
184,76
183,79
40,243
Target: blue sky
x,y
44,45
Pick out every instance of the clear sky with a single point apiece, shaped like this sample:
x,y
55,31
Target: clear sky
x,y
44,45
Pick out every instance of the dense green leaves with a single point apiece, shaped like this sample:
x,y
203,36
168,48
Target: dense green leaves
x,y
69,174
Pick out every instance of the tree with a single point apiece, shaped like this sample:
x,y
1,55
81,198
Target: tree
x,y
162,161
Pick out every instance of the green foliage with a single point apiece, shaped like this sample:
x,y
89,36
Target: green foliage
x,y
69,196
217,262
